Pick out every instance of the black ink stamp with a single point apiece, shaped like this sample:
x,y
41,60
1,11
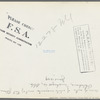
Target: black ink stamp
x,y
84,48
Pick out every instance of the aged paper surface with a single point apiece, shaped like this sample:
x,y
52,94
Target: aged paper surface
x,y
49,50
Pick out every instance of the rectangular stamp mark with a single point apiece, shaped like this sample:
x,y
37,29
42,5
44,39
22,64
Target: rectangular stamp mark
x,y
84,48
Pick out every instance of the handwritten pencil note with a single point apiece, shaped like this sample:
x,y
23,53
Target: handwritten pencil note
x,y
49,50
